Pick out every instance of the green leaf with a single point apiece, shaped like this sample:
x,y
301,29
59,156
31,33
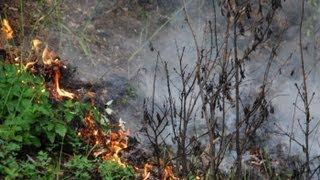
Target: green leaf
x,y
61,129
51,136
44,110
34,141
50,126
28,93
69,116
18,138
13,147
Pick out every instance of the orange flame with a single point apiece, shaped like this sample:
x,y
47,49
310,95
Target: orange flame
x,y
48,59
112,143
117,141
6,29
146,171
61,92
36,45
168,173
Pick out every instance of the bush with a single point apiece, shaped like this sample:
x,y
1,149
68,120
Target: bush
x,y
25,114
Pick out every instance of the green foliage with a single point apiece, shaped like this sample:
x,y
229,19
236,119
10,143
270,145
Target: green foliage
x,y
29,120
79,167
110,170
26,115
25,112
11,168
8,163
40,168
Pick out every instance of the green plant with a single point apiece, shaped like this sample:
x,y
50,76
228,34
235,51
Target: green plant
x,y
25,114
8,164
11,168
41,168
79,167
110,170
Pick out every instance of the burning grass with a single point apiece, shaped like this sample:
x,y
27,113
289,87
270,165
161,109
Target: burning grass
x,y
106,145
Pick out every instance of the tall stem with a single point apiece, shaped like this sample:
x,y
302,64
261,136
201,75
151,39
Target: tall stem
x,y
237,67
305,95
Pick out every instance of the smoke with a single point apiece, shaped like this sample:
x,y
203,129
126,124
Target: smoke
x,y
285,72
118,34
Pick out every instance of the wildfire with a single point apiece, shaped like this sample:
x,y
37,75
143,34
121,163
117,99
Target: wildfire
x,y
168,173
109,145
146,171
49,59
61,92
117,141
6,29
112,143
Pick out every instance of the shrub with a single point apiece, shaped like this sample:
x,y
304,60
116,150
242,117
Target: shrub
x,y
25,114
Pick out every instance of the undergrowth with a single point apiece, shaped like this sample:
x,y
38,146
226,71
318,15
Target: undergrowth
x,y
38,137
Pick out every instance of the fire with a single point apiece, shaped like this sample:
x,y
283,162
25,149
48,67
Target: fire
x,y
6,29
49,59
109,146
146,171
61,92
112,143
36,45
168,173
117,141
47,56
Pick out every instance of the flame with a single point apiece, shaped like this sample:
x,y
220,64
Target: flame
x,y
112,143
117,141
61,92
146,171
6,29
48,58
29,65
36,45
168,173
